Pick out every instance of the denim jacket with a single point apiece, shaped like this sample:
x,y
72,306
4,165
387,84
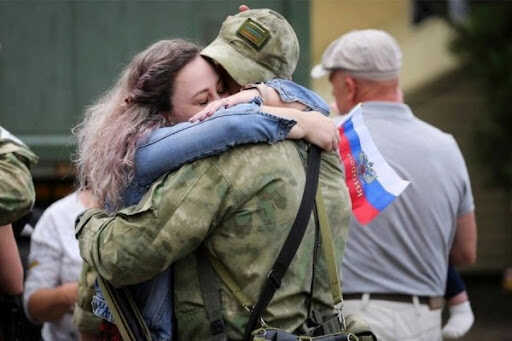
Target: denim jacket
x,y
166,149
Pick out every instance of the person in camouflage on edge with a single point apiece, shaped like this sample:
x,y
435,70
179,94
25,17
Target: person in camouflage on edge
x,y
16,199
16,188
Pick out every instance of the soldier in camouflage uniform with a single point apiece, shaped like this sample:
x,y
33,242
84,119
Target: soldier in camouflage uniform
x,y
16,199
241,206
277,59
16,188
247,200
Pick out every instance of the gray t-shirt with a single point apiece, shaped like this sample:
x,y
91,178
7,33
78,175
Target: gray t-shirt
x,y
406,248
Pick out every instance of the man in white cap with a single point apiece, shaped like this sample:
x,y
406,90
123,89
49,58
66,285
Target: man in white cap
x,y
395,268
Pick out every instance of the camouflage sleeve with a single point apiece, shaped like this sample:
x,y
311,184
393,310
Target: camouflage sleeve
x,y
143,240
17,193
83,317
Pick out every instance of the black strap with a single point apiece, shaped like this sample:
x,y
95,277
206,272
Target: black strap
x,y
210,291
314,267
129,320
290,246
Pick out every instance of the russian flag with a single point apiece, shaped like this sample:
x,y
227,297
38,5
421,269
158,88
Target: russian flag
x,y
372,183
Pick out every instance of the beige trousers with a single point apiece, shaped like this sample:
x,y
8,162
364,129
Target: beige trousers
x,y
396,321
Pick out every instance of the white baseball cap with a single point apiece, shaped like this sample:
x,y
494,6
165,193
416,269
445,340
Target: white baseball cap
x,y
368,54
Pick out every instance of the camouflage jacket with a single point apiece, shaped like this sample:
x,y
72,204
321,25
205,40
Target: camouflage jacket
x,y
83,317
241,206
17,193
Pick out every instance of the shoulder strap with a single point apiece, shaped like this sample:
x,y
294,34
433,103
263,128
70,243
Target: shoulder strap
x,y
228,281
290,246
329,249
210,291
127,316
330,256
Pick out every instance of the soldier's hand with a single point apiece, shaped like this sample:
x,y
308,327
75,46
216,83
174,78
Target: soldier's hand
x,y
243,8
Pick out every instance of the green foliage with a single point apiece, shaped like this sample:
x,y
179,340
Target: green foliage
x,y
484,43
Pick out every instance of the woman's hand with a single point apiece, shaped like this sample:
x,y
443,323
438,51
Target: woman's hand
x,y
316,129
243,96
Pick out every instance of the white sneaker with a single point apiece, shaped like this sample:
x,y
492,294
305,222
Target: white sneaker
x,y
460,321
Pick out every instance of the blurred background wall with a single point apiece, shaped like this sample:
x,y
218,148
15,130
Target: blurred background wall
x,y
424,45
56,57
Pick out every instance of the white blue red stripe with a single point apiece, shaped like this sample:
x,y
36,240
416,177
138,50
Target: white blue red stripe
x,y
372,183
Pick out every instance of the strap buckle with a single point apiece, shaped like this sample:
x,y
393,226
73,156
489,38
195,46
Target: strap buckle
x,y
339,313
217,327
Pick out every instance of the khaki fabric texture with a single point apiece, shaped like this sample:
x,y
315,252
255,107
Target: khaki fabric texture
x,y
83,317
241,205
248,63
17,194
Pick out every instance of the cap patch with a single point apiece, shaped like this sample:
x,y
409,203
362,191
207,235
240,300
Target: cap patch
x,y
253,33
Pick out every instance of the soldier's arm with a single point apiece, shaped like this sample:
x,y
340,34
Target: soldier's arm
x,y
171,221
16,188
11,270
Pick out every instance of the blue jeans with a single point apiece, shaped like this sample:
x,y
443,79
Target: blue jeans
x,y
167,149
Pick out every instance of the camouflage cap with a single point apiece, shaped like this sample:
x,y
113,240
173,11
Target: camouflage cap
x,y
255,46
